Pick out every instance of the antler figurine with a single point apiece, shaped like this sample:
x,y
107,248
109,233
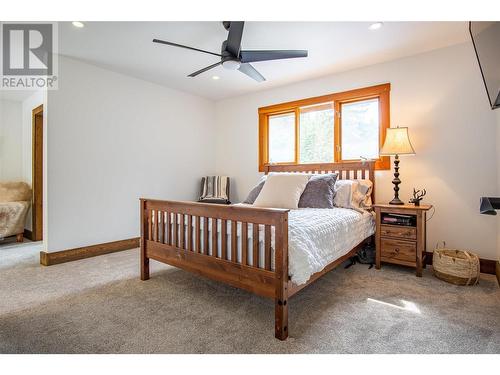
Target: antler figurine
x,y
417,196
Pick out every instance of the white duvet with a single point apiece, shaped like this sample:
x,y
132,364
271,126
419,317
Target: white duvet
x,y
316,237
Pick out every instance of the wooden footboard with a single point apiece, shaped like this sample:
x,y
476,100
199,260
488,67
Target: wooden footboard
x,y
176,233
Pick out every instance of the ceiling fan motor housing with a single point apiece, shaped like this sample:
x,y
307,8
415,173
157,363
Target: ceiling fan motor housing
x,y
229,61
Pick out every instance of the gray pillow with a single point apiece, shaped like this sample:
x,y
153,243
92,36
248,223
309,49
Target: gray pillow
x,y
254,193
319,191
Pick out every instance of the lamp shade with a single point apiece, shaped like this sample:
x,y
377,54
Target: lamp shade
x,y
397,142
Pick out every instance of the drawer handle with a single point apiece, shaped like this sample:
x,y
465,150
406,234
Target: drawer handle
x,y
390,232
396,249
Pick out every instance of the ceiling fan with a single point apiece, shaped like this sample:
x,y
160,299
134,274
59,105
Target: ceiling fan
x,y
232,57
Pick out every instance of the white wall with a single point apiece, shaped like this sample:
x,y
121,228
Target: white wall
x,y
112,139
440,96
11,141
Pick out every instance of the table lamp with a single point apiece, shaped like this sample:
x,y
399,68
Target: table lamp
x,y
397,143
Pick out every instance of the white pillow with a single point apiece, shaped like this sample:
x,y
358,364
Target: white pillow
x,y
365,188
354,194
344,193
282,190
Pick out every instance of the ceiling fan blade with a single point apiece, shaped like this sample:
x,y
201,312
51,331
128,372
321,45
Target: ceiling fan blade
x,y
253,56
234,37
182,46
204,69
250,71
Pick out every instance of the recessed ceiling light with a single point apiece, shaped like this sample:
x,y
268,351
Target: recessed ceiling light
x,y
215,78
376,25
78,24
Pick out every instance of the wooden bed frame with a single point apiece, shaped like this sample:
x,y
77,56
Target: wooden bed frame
x,y
161,243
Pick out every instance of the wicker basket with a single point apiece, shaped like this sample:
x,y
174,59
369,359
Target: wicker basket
x,y
458,267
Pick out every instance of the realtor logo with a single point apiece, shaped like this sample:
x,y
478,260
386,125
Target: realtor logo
x,y
28,56
27,49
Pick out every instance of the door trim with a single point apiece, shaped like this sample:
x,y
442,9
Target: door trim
x,y
37,176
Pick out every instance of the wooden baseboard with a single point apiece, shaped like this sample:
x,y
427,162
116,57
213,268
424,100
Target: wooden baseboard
x,y
498,272
48,259
485,265
28,234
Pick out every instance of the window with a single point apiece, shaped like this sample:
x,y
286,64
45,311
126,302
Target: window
x,y
359,129
316,134
332,128
282,138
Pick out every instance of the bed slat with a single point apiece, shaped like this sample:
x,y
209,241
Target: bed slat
x,y
190,233
150,230
174,230
181,231
223,238
168,233
234,241
255,242
267,247
161,222
214,237
155,225
205,236
197,239
244,243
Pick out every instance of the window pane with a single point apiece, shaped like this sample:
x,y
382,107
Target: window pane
x,y
360,130
316,134
282,138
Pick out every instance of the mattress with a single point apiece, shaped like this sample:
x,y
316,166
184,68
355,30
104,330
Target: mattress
x,y
316,237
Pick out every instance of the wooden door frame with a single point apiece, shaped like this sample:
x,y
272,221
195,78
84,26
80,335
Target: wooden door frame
x,y
37,177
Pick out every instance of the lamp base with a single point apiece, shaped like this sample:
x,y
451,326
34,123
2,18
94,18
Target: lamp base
x,y
396,181
397,201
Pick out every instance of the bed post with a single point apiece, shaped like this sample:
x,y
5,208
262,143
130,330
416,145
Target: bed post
x,y
144,230
281,271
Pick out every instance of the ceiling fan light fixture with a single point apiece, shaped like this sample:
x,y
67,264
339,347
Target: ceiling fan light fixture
x,y
231,64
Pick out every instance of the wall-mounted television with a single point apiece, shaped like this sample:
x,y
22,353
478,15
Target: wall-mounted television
x,y
486,39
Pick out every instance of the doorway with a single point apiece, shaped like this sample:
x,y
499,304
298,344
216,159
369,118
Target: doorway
x,y
37,174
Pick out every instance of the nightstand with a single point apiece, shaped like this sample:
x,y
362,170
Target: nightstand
x,y
401,239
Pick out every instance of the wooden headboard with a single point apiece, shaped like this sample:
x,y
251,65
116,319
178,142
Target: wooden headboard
x,y
350,170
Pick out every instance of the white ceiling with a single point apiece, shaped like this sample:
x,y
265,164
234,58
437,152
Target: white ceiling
x,y
126,47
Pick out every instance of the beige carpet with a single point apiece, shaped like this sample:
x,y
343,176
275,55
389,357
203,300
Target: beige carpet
x,y
99,305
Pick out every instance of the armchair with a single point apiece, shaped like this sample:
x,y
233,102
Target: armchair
x,y
15,200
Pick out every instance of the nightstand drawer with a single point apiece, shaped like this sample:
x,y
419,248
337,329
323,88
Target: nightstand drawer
x,y
401,250
400,232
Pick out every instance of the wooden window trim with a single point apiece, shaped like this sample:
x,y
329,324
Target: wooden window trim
x,y
382,92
